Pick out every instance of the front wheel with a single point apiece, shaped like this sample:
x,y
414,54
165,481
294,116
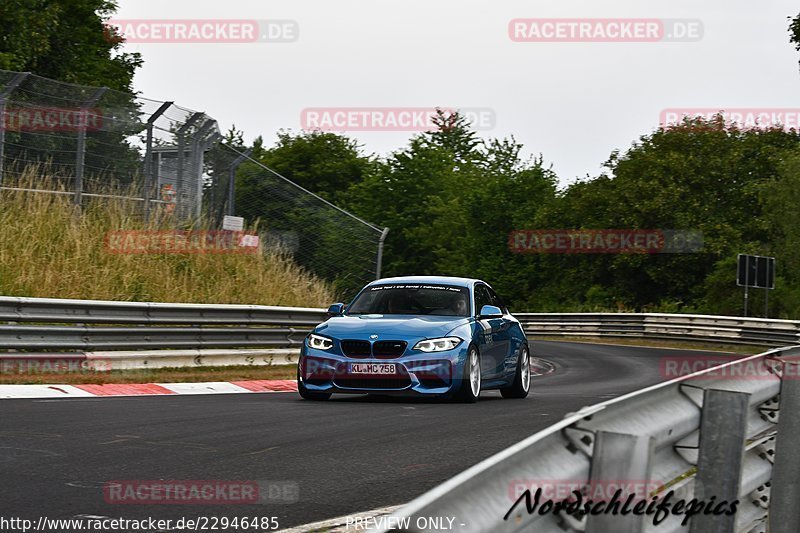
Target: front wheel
x,y
522,377
470,388
307,394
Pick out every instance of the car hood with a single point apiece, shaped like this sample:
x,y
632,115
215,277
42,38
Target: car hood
x,y
389,326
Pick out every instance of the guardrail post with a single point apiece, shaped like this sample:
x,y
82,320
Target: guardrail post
x,y
785,492
723,429
619,460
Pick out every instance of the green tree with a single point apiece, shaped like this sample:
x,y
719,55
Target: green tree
x,y
417,193
67,41
451,200
781,204
319,236
701,176
325,163
510,194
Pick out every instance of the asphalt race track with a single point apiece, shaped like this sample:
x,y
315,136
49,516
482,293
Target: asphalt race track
x,y
347,455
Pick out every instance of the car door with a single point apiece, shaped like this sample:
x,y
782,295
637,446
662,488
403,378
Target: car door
x,y
493,335
503,337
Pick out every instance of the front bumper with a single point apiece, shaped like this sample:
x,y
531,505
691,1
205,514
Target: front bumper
x,y
434,373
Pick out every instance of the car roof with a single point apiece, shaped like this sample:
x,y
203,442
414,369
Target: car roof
x,y
443,280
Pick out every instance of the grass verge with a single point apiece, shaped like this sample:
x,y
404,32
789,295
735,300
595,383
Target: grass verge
x,y
48,249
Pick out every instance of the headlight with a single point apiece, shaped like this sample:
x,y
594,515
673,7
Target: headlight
x,y
437,345
319,343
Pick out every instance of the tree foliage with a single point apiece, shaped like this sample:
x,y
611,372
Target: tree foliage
x,y
327,163
66,41
452,198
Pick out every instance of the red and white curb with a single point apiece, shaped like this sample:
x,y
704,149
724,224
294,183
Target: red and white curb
x,y
539,367
146,389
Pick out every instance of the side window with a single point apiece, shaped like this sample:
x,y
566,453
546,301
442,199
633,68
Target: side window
x,y
482,297
496,301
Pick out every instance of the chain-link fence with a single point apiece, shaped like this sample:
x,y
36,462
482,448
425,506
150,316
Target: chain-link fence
x,y
93,142
318,235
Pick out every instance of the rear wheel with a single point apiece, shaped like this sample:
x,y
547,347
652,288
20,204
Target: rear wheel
x,y
307,394
522,377
470,388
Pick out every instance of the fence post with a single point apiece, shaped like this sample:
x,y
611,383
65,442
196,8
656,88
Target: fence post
x,y
198,149
149,167
723,428
619,460
207,145
231,199
81,149
13,84
181,133
379,260
785,491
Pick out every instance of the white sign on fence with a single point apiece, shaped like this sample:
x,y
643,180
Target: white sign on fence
x,y
232,223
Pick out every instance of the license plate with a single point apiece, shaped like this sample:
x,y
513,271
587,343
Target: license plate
x,y
373,368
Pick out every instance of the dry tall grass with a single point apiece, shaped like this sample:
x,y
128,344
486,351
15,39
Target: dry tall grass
x,y
48,251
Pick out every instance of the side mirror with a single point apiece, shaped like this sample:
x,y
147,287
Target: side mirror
x,y
490,311
335,310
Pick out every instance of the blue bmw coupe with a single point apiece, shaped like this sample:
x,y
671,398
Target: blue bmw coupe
x,y
435,336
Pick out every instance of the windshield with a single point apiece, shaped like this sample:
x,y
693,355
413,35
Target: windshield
x,y
412,299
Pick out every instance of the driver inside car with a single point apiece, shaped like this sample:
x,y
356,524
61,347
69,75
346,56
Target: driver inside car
x,y
459,307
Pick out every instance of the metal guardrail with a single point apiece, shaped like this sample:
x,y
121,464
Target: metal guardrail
x,y
727,433
53,324
48,324
732,330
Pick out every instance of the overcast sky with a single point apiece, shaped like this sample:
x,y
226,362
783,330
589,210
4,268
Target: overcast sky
x,y
573,102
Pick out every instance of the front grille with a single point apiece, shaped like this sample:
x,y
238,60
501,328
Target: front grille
x,y
382,383
378,382
343,379
354,348
389,348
